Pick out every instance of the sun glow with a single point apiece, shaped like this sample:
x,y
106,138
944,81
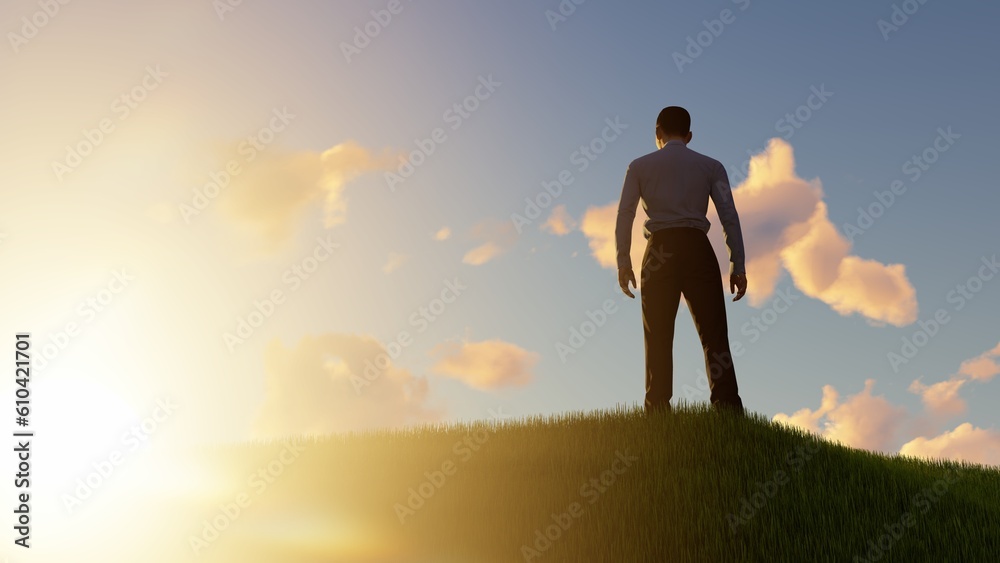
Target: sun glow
x,y
78,424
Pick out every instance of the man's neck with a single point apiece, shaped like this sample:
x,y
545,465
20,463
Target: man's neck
x,y
677,139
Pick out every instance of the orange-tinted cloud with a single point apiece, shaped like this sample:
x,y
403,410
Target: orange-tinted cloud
x,y
335,383
821,268
808,419
861,421
966,442
940,398
785,227
393,262
598,225
444,233
982,367
275,188
498,237
490,364
559,222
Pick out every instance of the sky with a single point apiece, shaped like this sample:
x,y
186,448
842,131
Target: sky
x,y
260,219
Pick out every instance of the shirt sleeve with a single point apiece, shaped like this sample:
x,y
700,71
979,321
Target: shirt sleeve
x,y
626,217
722,197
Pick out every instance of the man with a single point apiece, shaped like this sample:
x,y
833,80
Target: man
x,y
674,183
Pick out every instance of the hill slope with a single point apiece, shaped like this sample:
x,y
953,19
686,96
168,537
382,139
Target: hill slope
x,y
613,486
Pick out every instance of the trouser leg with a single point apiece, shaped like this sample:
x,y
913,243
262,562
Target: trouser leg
x,y
660,293
705,297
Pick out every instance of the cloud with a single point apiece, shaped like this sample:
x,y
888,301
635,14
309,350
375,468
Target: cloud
x,y
443,234
490,364
498,237
940,398
598,225
982,367
808,419
393,263
559,222
862,421
966,442
867,421
277,187
785,227
335,383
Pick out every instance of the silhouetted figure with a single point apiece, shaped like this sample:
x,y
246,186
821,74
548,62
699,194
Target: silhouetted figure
x,y
674,184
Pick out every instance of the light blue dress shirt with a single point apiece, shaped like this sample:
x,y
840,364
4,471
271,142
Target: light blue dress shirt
x,y
674,184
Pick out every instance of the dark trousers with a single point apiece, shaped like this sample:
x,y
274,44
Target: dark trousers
x,y
680,261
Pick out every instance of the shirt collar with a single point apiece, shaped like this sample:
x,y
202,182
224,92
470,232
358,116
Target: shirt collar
x,y
672,142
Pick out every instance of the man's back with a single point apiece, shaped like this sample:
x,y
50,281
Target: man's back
x,y
675,184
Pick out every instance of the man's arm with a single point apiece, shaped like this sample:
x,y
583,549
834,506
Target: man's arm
x,y
722,196
623,229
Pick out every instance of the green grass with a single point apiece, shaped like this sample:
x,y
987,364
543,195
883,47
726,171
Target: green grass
x,y
694,472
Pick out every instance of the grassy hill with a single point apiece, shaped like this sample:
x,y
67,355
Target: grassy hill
x,y
597,487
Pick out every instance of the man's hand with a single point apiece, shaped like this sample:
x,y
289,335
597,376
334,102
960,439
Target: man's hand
x,y
736,282
625,276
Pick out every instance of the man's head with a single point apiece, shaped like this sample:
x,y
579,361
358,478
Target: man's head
x,y
674,122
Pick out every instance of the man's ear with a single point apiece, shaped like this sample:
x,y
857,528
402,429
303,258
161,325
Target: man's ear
x,y
687,138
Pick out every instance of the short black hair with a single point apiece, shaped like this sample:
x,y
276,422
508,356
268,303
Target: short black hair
x,y
674,120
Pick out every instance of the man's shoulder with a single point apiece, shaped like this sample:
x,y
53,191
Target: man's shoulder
x,y
686,153
704,159
643,160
